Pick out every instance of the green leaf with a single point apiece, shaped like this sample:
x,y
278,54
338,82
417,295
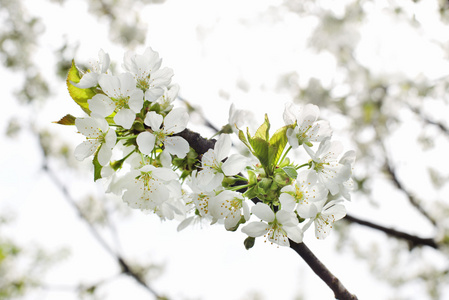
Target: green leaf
x,y
80,96
249,242
263,131
277,144
244,140
66,120
251,177
251,192
97,166
290,171
260,148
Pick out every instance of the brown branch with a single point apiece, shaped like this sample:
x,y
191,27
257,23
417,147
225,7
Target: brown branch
x,y
196,141
412,240
340,292
201,145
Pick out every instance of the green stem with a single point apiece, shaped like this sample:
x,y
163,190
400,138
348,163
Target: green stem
x,y
239,187
126,137
241,178
285,154
303,165
129,154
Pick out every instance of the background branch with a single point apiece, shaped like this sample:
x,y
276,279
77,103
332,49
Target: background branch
x,y
124,265
392,172
412,240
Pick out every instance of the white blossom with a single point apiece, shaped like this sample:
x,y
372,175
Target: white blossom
x,y
98,136
148,187
101,66
307,129
147,73
213,167
230,206
276,227
239,117
324,217
170,93
121,97
162,130
301,195
325,162
346,187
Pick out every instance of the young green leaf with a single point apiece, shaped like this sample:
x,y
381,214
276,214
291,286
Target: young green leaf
x,y
277,144
80,96
260,148
244,140
66,120
97,166
290,171
263,131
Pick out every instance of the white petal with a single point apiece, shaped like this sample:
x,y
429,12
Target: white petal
x,y
165,174
104,60
153,120
165,159
310,111
232,219
145,141
306,210
263,211
287,201
185,223
101,105
348,158
125,118
234,164
135,101
294,233
246,212
287,218
110,85
321,130
110,138
255,229
154,93
292,138
290,113
177,145
173,92
336,212
127,84
86,149
87,81
222,147
104,155
161,77
176,120
88,127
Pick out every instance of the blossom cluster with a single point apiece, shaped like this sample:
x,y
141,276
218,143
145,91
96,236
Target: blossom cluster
x,y
135,136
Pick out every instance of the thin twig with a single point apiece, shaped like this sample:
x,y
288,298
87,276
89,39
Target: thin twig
x,y
392,172
125,267
426,120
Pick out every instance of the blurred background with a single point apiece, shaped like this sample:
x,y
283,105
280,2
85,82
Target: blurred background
x,y
377,69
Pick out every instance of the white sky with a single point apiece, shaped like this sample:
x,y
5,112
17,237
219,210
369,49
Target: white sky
x,y
207,263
